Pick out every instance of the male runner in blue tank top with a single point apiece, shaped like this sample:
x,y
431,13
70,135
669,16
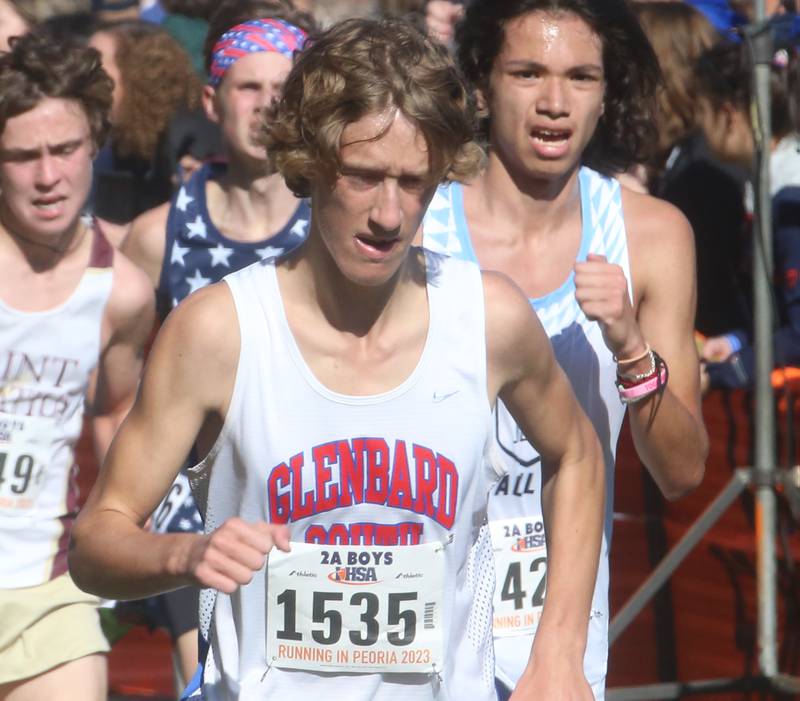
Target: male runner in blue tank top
x,y
566,88
224,218
314,384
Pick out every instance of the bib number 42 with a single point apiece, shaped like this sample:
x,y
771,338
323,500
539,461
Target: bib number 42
x,y
521,573
513,587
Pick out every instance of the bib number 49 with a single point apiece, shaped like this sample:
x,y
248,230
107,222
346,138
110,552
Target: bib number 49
x,y
21,480
18,473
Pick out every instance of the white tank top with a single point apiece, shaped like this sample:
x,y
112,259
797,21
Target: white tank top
x,y
400,468
515,506
46,359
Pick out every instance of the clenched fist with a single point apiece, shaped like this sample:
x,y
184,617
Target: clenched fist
x,y
601,290
228,557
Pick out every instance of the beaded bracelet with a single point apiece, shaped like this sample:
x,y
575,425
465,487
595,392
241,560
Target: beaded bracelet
x,y
632,391
642,375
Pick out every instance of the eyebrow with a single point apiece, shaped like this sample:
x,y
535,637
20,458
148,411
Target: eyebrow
x,y
372,171
12,154
522,63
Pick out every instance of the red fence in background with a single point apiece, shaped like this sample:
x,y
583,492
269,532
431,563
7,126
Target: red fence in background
x,y
703,625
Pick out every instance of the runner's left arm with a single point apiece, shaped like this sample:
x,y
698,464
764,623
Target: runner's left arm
x,y
523,373
127,323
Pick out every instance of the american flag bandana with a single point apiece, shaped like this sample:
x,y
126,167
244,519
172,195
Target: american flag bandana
x,y
250,38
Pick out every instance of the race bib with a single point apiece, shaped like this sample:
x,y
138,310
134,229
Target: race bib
x,y
356,608
520,557
25,449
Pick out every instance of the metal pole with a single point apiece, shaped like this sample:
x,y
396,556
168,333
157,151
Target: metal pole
x,y
641,597
679,690
764,458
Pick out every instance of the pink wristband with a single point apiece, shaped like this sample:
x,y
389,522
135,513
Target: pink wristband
x,y
629,395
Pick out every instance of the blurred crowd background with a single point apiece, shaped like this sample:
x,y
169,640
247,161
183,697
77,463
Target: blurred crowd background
x,y
702,162
153,49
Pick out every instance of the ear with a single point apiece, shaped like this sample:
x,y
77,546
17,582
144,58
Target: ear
x,y
209,100
728,113
482,102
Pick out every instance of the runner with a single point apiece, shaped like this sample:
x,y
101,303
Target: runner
x,y
224,218
228,216
342,398
567,88
74,316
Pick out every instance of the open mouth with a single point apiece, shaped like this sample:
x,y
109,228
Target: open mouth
x,y
376,245
551,137
49,206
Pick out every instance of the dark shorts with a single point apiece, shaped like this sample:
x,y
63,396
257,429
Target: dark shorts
x,y
175,611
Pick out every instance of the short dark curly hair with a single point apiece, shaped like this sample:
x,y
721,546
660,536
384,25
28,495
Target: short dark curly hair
x,y
626,132
38,66
360,67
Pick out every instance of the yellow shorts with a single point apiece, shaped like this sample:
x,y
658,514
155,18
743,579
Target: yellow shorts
x,y
45,626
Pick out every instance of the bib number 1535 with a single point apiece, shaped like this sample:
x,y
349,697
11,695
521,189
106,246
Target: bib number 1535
x,y
355,608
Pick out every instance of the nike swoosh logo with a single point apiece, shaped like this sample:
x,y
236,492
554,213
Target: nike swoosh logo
x,y
440,397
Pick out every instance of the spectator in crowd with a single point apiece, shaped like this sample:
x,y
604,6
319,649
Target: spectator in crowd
x,y
326,12
726,16
686,173
725,78
74,316
78,26
401,8
191,141
226,216
151,11
352,354
187,23
116,10
153,79
679,35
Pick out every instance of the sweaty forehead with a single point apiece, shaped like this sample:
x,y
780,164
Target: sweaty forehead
x,y
543,35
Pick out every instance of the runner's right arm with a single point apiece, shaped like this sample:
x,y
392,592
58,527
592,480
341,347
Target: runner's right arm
x,y
111,554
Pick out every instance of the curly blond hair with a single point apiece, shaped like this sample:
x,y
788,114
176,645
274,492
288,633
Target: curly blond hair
x,y
157,80
360,67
